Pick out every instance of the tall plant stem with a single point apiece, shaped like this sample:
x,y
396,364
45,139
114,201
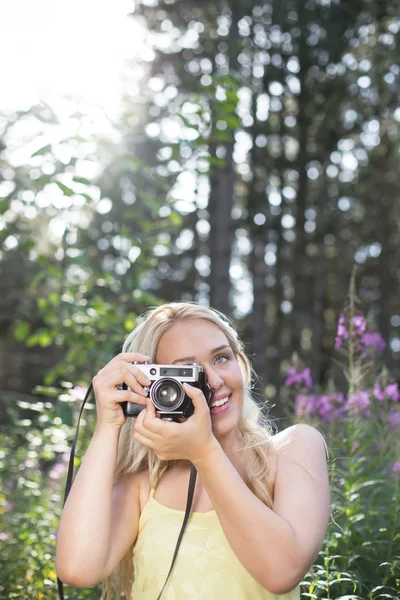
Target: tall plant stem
x,y
352,294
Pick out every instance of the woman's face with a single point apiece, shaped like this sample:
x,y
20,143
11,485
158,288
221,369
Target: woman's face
x,y
198,340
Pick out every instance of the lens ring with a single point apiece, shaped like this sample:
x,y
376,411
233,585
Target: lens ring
x,y
167,394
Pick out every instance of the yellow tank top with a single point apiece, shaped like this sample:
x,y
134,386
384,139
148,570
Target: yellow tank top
x,y
206,567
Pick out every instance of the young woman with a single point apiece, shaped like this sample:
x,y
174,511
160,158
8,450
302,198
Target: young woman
x,y
261,503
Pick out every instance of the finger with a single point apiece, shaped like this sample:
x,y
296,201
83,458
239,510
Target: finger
x,y
136,371
151,422
150,410
123,375
153,426
142,439
126,396
196,396
136,381
141,424
131,357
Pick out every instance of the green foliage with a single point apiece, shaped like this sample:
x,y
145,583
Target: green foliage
x,y
360,558
361,554
34,452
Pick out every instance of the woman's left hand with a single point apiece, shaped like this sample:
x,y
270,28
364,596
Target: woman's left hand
x,y
177,441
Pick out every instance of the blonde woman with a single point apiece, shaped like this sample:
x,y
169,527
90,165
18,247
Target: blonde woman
x,y
261,503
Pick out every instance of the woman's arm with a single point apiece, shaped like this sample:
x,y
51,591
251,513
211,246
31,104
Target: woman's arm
x,y
99,522
276,546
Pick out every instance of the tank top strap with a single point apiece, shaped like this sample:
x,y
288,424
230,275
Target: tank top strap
x,y
159,475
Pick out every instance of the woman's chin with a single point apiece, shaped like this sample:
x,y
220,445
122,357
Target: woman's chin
x,y
222,428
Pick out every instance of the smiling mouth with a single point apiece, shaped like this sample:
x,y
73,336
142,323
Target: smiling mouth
x,y
218,403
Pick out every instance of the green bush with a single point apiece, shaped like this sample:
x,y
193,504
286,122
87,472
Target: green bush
x,y
34,454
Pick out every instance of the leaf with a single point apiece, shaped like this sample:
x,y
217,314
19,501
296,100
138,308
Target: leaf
x,y
21,330
130,163
82,180
64,188
4,204
43,150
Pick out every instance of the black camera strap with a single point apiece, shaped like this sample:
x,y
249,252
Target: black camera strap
x,y
192,483
68,485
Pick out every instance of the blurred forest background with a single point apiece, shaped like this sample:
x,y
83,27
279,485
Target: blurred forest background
x,y
254,162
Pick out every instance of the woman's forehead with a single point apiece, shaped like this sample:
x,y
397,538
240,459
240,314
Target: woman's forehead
x,y
189,336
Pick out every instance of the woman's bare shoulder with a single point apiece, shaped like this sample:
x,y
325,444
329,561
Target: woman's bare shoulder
x,y
134,484
300,432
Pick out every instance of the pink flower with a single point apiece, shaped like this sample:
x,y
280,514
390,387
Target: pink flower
x,y
57,471
392,392
5,536
374,342
342,333
305,405
359,324
394,420
298,378
396,467
358,402
79,392
378,392
331,407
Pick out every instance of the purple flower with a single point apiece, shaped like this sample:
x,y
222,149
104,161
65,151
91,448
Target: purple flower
x,y
371,342
342,333
305,405
358,402
392,392
298,378
396,467
374,342
331,407
394,420
359,324
378,392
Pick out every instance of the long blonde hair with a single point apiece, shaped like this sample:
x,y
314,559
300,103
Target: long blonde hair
x,y
256,431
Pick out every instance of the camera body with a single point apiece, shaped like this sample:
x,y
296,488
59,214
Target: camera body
x,y
166,389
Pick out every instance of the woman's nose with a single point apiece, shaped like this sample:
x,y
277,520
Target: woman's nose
x,y
214,379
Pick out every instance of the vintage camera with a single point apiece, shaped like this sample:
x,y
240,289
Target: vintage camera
x,y
166,390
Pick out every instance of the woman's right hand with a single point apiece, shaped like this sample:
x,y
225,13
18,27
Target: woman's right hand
x,y
108,397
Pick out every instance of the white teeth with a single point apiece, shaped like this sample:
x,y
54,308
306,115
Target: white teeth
x,y
220,402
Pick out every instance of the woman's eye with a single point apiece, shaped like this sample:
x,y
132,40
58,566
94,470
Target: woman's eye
x,y
221,358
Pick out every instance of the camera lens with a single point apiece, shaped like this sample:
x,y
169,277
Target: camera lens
x,y
167,394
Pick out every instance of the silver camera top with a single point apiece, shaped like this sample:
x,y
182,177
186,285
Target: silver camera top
x,y
179,372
